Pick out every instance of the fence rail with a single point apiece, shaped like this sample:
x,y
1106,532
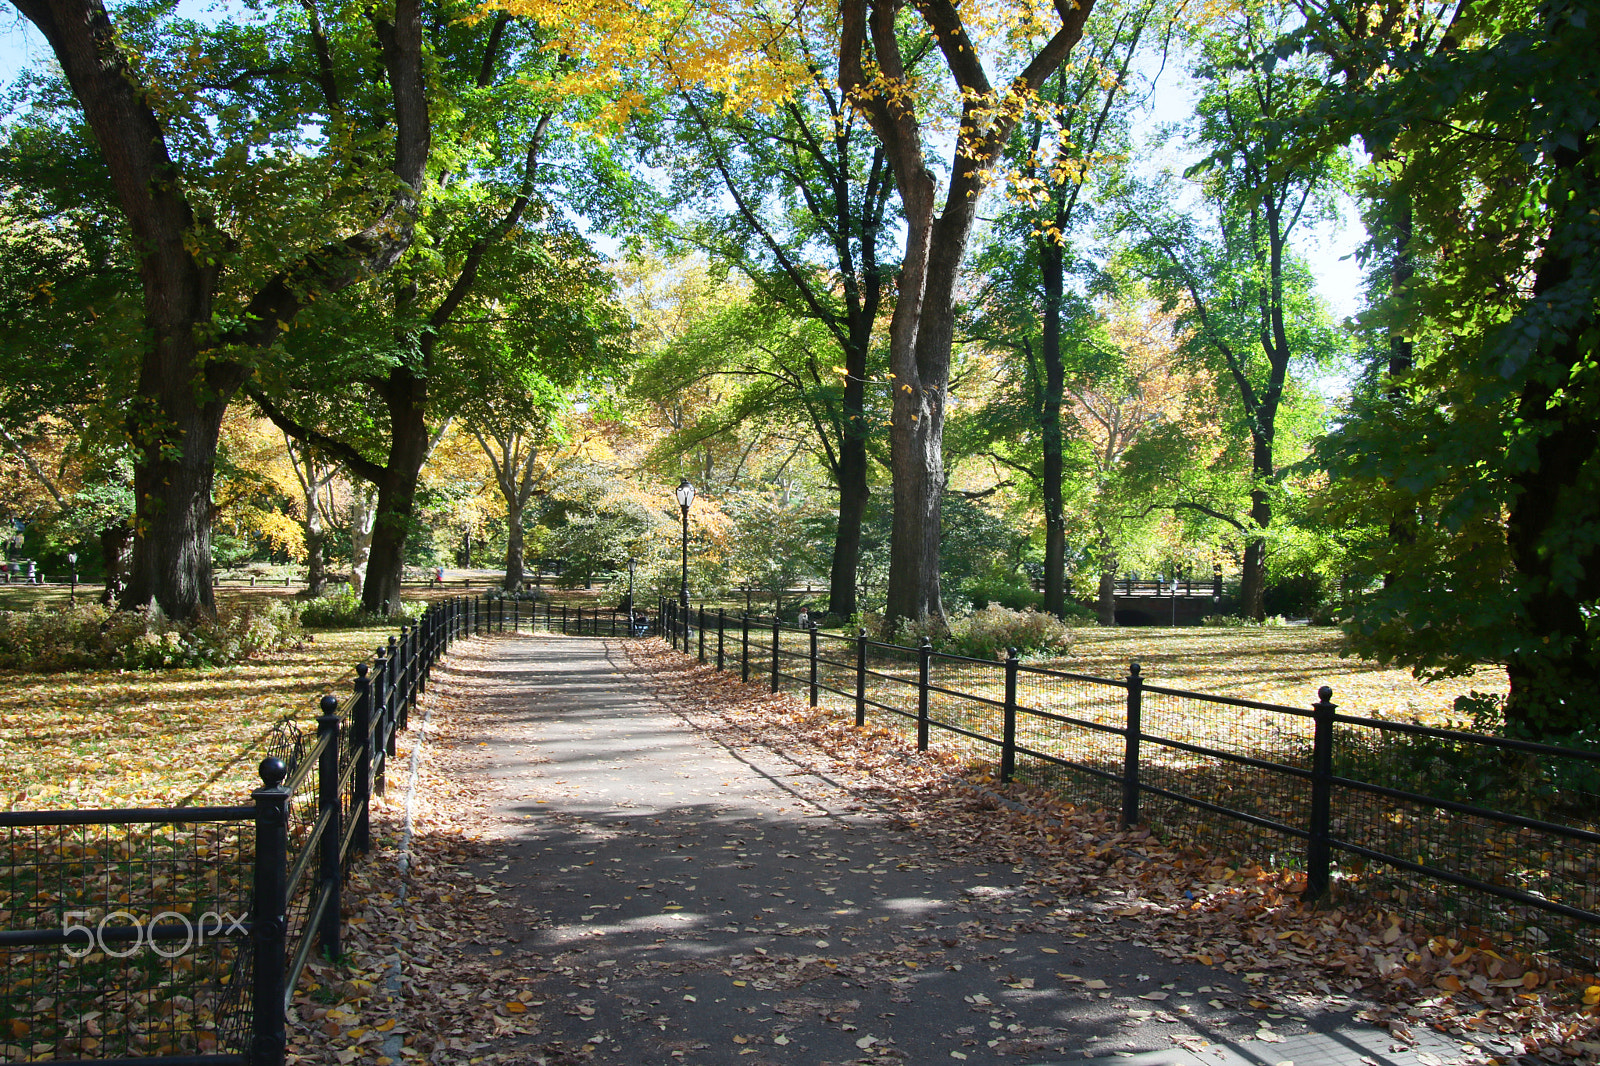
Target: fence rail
x,y
1488,832
177,935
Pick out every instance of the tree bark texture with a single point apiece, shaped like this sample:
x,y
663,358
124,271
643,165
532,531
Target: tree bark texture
x,y
1052,267
514,547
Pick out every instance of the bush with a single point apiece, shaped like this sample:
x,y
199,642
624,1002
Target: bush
x,y
91,637
986,634
1009,591
342,610
1235,621
1072,611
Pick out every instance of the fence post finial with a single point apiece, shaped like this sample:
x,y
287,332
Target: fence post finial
x,y
272,771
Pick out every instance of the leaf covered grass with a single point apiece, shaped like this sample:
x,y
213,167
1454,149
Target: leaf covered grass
x,y
136,738
1282,665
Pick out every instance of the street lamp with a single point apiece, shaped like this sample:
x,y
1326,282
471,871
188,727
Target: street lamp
x,y
72,560
630,586
685,496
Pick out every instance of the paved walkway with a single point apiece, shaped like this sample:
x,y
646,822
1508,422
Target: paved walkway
x,y
684,902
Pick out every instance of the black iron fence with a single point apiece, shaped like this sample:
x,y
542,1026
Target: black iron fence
x,y
177,935
1482,832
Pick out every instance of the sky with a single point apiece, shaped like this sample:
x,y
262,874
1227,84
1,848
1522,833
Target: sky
x,y
1329,249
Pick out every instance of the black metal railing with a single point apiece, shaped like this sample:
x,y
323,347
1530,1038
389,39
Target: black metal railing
x,y
178,935
1491,833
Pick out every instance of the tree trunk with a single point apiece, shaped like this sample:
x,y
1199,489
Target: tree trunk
x,y
1051,268
854,493
116,542
171,557
363,516
514,547
1253,581
924,316
405,394
1105,600
316,544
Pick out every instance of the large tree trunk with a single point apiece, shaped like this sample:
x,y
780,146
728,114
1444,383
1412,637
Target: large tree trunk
x,y
171,558
405,395
1051,268
1253,581
920,331
514,547
182,393
919,353
854,493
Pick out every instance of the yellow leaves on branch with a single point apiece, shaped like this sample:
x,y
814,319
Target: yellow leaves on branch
x,y
734,47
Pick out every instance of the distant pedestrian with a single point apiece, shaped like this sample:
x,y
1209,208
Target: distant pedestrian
x,y
438,575
805,618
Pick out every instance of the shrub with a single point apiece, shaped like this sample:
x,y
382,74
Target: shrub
x,y
91,637
342,610
986,634
1072,612
1010,590
1234,621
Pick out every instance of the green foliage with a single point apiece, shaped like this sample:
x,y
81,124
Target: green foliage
x,y
1004,590
91,637
1466,476
986,634
1234,621
342,610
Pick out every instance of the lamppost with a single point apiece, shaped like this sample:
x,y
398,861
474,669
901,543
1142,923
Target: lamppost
x,y
685,498
630,589
72,560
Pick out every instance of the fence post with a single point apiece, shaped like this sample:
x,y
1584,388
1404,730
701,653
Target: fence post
x,y
924,656
361,740
269,924
1318,846
424,628
380,708
516,615
328,799
702,634
722,625
1008,741
744,647
776,632
813,629
1130,751
861,677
